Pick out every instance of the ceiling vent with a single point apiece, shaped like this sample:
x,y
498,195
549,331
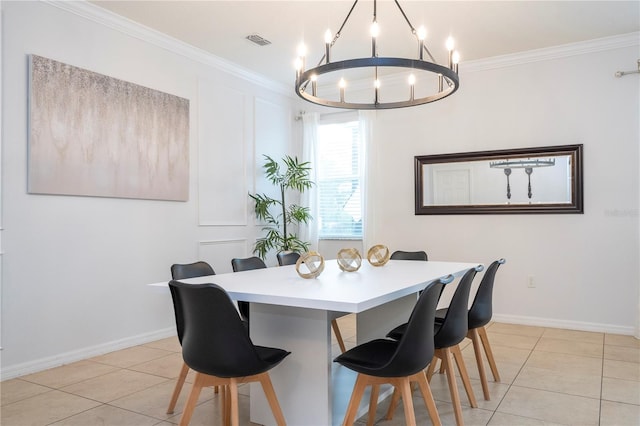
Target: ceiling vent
x,y
258,40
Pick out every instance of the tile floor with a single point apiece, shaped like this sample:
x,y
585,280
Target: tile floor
x,y
549,377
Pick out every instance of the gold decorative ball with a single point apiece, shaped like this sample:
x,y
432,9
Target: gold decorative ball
x,y
349,259
312,262
378,255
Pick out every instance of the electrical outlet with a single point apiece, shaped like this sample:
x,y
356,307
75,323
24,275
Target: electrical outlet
x,y
530,282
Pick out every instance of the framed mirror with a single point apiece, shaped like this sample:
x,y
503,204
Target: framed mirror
x,y
525,180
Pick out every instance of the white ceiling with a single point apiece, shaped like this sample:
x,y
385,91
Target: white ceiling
x,y
482,29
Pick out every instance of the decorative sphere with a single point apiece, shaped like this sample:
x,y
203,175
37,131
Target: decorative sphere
x,y
312,262
378,255
349,259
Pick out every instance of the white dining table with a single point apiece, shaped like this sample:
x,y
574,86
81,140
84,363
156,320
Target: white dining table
x,y
295,314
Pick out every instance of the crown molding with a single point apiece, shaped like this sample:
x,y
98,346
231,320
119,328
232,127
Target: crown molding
x,y
131,28
521,58
134,29
555,52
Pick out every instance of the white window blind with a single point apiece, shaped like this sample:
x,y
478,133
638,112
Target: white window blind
x,y
339,178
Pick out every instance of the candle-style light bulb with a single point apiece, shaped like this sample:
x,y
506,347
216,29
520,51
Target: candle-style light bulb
x,y
342,84
375,29
412,82
314,85
422,35
297,64
455,59
328,37
302,52
375,32
450,45
376,85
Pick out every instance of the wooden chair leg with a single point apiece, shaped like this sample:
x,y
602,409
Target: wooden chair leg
x,y
373,404
267,387
394,403
233,396
453,388
427,395
226,408
336,331
464,375
354,402
432,367
176,390
192,400
407,401
482,332
475,339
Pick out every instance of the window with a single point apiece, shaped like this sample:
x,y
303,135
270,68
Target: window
x,y
339,176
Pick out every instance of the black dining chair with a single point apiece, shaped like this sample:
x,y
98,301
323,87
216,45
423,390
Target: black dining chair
x,y
181,271
291,259
479,315
216,346
246,264
447,336
398,362
409,255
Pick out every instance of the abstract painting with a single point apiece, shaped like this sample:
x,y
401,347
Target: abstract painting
x,y
95,135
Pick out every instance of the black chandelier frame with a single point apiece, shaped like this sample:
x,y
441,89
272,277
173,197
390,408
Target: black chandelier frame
x,y
306,78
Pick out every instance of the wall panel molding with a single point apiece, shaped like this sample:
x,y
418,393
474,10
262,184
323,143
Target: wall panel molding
x,y
222,159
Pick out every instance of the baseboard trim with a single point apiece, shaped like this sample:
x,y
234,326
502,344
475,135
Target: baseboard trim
x,y
84,353
570,325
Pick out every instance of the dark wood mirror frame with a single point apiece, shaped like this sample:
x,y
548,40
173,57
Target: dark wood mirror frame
x,y
574,205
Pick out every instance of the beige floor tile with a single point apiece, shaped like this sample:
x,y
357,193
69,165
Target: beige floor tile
x,y
565,363
70,374
507,371
519,330
580,336
44,409
131,356
472,416
209,413
559,381
618,390
153,401
512,340
107,416
440,389
170,344
621,370
550,406
501,354
114,385
618,414
502,419
570,347
621,340
621,353
168,366
17,389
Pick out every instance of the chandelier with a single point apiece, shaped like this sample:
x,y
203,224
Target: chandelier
x,y
427,81
528,165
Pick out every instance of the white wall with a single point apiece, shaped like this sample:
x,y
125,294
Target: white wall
x,y
585,266
74,269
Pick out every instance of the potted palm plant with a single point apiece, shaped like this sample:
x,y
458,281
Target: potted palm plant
x,y
279,216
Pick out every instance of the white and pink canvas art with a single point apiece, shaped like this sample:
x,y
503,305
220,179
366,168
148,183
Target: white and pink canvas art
x,y
95,135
